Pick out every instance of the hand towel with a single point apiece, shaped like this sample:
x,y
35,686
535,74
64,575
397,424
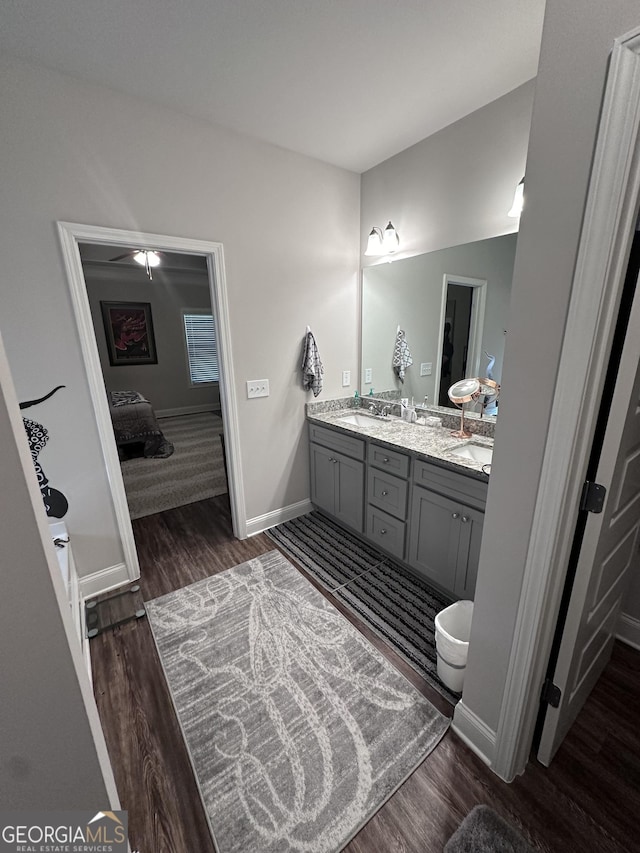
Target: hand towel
x,y
401,355
312,368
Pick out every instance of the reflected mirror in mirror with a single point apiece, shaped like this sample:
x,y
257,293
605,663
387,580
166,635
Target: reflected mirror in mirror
x,y
453,306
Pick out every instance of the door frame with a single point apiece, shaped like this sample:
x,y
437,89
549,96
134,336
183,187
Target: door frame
x,y
609,223
476,323
71,235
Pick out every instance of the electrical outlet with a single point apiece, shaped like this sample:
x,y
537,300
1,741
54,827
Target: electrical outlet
x,y
257,388
425,368
346,378
368,376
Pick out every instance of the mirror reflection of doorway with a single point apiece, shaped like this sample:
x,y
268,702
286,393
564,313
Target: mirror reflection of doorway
x,y
455,345
463,307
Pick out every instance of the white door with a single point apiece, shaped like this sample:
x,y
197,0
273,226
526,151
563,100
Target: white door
x,y
609,544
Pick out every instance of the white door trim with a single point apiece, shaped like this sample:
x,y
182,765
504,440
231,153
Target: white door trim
x,y
610,216
71,234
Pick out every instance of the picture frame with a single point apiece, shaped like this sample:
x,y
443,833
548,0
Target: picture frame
x,y
128,330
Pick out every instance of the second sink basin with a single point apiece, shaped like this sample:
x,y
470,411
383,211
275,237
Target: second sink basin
x,y
356,420
477,452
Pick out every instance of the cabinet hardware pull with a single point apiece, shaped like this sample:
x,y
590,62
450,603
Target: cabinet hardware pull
x,y
465,518
455,515
382,532
385,459
384,493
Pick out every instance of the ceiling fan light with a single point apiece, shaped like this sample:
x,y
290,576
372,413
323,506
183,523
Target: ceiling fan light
x,y
147,258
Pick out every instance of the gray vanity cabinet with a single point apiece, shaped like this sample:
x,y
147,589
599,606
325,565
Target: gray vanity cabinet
x,y
387,498
446,529
337,475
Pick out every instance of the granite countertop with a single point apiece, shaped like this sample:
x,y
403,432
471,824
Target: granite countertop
x,y
427,443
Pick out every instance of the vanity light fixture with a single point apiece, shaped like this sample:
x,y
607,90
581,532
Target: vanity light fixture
x,y
518,201
382,242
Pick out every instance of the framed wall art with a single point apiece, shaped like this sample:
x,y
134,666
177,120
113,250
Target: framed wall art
x,y
129,331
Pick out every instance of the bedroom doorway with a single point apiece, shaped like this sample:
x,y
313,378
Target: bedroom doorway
x,y
155,332
99,322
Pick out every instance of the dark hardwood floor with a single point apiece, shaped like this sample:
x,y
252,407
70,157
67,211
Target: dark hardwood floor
x,y
588,800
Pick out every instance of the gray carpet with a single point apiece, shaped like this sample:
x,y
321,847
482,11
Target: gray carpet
x,y
297,728
195,470
393,602
484,831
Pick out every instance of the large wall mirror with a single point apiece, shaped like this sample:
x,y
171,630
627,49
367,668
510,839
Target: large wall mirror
x,y
452,304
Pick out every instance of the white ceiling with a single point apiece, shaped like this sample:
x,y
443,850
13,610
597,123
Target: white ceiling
x,y
351,82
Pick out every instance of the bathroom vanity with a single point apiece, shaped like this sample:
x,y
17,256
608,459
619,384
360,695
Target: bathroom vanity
x,y
416,492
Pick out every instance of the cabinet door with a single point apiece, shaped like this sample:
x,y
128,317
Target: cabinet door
x,y
349,491
468,552
433,538
323,464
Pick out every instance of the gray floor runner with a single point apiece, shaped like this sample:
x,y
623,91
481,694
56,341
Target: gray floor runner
x,y
393,602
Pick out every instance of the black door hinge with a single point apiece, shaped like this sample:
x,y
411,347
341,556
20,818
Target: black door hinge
x,y
593,495
551,694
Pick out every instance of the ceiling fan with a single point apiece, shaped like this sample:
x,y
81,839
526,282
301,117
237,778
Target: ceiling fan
x,y
148,258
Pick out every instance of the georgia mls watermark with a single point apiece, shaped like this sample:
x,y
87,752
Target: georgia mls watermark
x,y
63,832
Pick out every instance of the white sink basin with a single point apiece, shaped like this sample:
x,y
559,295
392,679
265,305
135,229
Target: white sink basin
x,y
356,420
477,452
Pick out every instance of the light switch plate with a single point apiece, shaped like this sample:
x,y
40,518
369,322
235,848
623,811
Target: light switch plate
x,y
346,378
425,368
368,375
257,388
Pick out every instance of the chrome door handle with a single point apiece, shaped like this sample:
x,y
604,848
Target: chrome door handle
x,y
465,518
455,515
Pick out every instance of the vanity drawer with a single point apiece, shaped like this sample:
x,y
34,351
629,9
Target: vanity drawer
x,y
388,460
335,440
451,484
387,492
386,531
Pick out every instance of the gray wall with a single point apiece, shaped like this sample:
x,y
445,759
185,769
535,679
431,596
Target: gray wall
x,y
53,752
165,384
409,292
82,153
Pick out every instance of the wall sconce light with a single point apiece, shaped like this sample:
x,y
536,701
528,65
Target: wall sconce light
x,y
518,200
382,242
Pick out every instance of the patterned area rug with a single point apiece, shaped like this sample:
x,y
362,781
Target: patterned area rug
x,y
297,728
195,471
484,831
391,600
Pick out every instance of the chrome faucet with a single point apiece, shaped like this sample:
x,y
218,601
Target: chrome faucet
x,y
381,408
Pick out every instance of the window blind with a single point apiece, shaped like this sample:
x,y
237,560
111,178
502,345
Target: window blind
x,y
200,335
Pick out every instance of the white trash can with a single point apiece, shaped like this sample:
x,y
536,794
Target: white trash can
x,y
453,627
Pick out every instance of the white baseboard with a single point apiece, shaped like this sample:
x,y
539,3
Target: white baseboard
x,y
628,630
263,522
103,581
474,732
186,410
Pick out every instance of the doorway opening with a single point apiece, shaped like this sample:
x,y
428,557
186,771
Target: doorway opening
x,y
112,243
156,335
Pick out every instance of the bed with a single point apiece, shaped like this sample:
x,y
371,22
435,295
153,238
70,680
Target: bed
x,y
135,424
